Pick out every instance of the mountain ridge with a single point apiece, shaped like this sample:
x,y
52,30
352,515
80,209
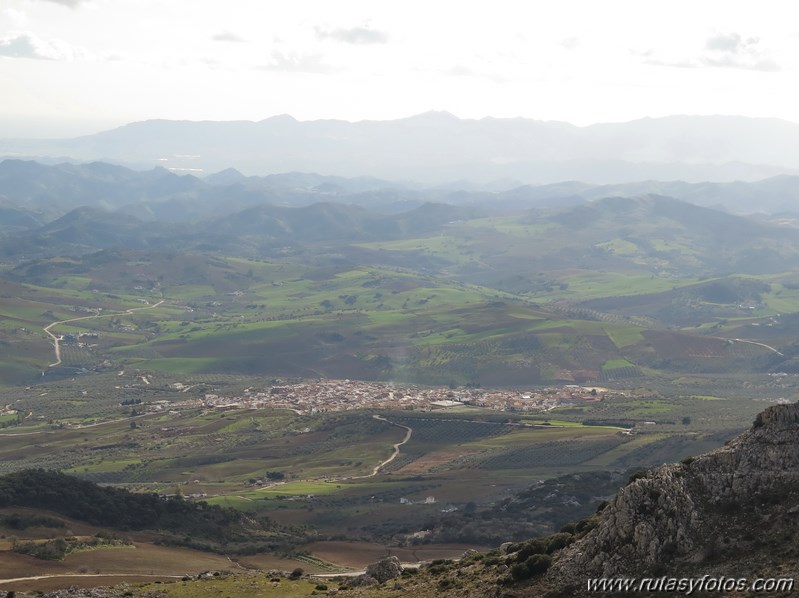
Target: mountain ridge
x,y
436,147
160,194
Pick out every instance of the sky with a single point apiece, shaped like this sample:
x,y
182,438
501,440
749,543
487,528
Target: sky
x,y
71,67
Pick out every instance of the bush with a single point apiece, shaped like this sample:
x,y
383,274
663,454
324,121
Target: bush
x,y
526,549
586,525
51,550
519,572
538,563
569,528
534,565
558,541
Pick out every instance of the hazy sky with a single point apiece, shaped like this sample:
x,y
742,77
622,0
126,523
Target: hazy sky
x,y
79,66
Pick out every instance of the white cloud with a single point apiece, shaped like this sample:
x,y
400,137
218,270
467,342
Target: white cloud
x,y
17,18
227,36
734,51
723,50
69,3
461,71
294,62
732,42
28,45
354,35
570,43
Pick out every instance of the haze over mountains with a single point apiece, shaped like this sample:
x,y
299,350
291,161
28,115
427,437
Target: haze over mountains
x,y
437,147
33,194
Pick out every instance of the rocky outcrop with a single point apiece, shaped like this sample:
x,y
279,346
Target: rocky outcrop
x,y
726,506
377,573
385,569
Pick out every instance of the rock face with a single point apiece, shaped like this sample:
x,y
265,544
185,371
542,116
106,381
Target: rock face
x,y
377,573
387,568
735,507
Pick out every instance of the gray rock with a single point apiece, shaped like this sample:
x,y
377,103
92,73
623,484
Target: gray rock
x,y
362,581
385,569
674,514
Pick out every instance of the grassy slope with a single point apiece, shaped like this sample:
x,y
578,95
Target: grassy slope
x,y
428,308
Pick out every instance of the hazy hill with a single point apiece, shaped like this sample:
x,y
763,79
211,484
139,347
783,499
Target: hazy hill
x,y
65,186
32,193
774,194
250,231
652,236
437,147
83,230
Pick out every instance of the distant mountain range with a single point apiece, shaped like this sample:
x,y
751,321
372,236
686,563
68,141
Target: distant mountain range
x,y
33,194
551,229
437,148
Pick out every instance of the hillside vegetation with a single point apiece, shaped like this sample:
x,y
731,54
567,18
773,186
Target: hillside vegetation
x,y
176,521
619,288
322,370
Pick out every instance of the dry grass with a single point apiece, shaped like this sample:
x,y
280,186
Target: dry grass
x,y
359,554
129,564
429,462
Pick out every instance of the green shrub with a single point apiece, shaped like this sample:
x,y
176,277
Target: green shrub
x,y
638,475
558,541
519,572
538,563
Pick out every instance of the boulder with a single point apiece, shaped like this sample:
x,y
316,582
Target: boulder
x,y
385,569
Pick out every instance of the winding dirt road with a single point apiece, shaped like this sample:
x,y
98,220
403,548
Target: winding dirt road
x,y
57,339
741,340
397,446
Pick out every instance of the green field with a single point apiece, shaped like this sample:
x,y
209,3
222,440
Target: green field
x,y
457,455
682,334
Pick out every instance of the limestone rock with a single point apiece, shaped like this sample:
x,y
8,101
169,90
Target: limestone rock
x,y
362,581
714,506
385,569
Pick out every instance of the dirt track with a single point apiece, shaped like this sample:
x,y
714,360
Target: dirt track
x,y
57,340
